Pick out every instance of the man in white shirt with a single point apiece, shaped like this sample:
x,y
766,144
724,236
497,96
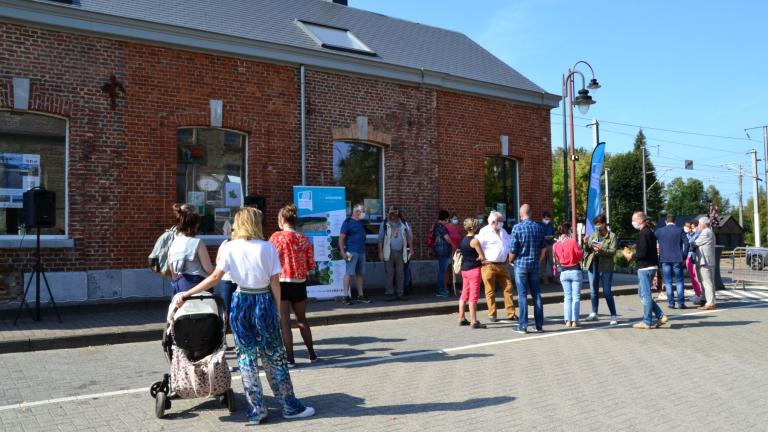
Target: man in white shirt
x,y
495,242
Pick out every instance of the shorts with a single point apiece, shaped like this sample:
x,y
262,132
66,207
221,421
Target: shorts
x,y
356,266
293,292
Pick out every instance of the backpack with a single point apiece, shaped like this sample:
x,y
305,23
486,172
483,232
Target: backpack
x,y
431,237
158,258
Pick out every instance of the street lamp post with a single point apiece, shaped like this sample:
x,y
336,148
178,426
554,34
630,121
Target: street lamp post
x,y
582,101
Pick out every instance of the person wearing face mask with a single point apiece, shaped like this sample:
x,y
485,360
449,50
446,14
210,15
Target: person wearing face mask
x,y
352,247
394,246
647,261
494,242
691,235
444,247
549,239
600,248
455,233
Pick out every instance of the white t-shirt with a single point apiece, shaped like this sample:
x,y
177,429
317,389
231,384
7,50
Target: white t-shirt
x,y
220,253
250,263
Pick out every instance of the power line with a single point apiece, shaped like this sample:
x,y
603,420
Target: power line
x,y
665,130
650,139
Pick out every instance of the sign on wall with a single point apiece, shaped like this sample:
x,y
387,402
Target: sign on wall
x,y
321,211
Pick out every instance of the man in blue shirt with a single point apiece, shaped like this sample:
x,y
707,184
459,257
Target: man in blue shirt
x,y
528,248
673,246
352,248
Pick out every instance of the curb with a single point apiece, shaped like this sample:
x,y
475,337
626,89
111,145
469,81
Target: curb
x,y
153,332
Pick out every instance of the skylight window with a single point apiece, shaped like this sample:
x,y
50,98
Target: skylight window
x,y
335,38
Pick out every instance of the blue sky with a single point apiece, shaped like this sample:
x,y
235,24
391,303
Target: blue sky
x,y
691,66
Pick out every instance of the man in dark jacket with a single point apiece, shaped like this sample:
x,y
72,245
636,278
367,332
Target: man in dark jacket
x,y
647,261
672,251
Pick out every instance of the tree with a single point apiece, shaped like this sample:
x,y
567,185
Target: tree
x,y
686,198
723,204
582,183
627,188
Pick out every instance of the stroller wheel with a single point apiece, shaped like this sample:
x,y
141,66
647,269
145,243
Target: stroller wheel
x,y
161,404
229,397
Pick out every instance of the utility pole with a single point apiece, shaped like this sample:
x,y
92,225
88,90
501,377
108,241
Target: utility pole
x,y
741,203
645,191
607,199
565,158
756,198
595,132
765,147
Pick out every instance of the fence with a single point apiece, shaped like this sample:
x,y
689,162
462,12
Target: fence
x,y
745,266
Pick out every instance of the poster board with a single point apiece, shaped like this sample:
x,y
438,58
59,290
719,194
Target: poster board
x,y
321,211
19,172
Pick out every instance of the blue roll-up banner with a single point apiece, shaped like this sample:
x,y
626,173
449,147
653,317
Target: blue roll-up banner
x,y
595,193
321,211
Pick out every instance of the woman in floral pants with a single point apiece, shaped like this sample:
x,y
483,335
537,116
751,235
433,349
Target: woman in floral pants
x,y
255,267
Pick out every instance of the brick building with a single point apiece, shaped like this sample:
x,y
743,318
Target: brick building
x,y
243,97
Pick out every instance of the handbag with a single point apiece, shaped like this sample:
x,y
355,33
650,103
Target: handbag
x,y
457,259
206,377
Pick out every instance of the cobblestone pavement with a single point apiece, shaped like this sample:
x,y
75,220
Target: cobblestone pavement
x,y
705,371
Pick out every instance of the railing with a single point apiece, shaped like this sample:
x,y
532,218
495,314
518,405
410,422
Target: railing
x,y
742,271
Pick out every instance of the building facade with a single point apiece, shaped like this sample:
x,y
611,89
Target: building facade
x,y
123,117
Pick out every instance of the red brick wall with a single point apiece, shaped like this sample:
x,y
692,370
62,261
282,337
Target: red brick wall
x,y
122,163
469,128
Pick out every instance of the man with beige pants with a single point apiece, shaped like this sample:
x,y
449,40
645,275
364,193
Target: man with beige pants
x,y
704,246
495,242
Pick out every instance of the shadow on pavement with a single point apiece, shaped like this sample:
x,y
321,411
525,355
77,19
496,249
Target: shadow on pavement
x,y
355,340
334,405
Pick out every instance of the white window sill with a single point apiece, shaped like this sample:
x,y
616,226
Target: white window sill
x,y
31,242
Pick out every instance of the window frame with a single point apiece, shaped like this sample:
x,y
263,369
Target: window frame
x,y
23,240
516,204
305,26
369,238
217,239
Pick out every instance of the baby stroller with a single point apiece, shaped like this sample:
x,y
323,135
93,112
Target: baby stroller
x,y
194,345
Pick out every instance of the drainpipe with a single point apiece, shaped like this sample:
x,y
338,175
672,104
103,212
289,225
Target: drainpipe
x,y
303,131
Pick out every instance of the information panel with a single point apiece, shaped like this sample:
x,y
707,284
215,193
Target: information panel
x,y
321,211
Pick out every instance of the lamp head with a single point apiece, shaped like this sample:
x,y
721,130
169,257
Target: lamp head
x,y
583,101
593,84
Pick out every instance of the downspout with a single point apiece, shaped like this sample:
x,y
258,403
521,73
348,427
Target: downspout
x,y
303,130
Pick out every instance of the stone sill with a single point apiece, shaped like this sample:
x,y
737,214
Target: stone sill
x,y
31,243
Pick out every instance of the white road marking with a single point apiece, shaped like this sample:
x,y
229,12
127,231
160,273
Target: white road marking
x,y
25,405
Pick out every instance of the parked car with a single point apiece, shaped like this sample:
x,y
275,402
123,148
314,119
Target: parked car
x,y
756,257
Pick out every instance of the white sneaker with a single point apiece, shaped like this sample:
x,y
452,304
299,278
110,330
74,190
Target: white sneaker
x,y
591,317
614,320
308,412
256,420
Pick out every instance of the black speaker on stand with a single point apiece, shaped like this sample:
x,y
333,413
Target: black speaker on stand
x,y
39,212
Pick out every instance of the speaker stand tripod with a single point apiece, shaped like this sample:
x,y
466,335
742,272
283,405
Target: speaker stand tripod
x,y
38,271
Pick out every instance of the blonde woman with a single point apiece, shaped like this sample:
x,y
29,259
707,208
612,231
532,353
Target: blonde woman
x,y
255,267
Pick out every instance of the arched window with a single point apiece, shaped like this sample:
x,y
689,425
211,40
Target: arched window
x,y
33,152
359,167
501,188
211,175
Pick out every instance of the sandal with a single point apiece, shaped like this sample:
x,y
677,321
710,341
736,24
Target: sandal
x,y
477,325
464,322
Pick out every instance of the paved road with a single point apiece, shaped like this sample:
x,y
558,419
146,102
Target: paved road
x,y
707,371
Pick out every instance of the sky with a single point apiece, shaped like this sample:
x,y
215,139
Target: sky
x,y
688,66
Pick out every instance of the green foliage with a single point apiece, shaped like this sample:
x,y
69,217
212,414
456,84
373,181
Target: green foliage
x,y
686,197
723,204
582,183
626,183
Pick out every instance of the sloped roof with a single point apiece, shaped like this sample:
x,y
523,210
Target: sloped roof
x,y
395,41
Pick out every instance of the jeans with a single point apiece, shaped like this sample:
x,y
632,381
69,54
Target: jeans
x,y
650,308
668,271
597,278
571,281
186,283
227,289
528,280
442,267
407,278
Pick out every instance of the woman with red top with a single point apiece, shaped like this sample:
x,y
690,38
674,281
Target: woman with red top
x,y
568,256
296,259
